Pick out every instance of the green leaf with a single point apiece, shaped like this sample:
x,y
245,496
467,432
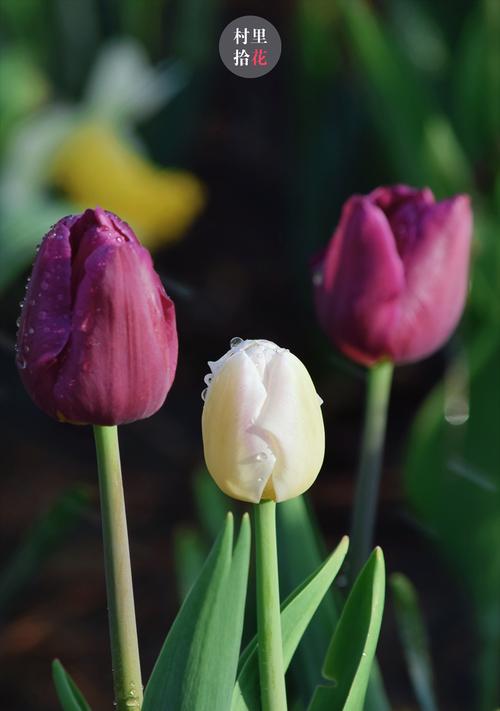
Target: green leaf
x,y
301,551
352,649
189,557
477,81
413,634
418,137
211,504
48,533
452,480
196,668
68,693
296,613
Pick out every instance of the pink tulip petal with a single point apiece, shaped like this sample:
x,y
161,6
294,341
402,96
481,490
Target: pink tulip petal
x,y
45,322
119,363
436,263
362,280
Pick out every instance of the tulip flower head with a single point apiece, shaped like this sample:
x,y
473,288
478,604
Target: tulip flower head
x,y
97,340
262,425
393,280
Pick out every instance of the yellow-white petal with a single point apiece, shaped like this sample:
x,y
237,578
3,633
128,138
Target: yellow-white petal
x,y
236,456
262,426
292,424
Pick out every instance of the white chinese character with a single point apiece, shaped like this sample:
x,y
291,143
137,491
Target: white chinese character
x,y
241,35
259,36
241,58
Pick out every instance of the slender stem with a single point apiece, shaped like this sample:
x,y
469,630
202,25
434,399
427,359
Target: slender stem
x,y
272,673
121,613
370,465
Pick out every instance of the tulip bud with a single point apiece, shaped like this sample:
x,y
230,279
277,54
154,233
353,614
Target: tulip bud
x,y
263,431
393,280
97,341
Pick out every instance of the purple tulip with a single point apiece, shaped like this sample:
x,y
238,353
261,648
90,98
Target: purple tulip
x,y
393,280
97,341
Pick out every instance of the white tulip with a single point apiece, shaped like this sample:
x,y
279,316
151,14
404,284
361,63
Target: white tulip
x,y
263,432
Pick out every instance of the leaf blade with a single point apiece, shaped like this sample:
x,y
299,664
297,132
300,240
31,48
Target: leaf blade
x,y
296,613
350,656
196,668
69,695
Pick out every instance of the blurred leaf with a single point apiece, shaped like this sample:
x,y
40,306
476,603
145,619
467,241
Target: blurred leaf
x,y
296,613
301,551
189,554
22,87
50,532
211,504
196,668
452,480
419,35
477,81
68,693
352,649
417,136
413,634
28,160
196,32
125,87
21,229
484,304
316,21
446,155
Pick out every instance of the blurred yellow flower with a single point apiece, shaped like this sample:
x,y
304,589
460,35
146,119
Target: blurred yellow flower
x,y
95,166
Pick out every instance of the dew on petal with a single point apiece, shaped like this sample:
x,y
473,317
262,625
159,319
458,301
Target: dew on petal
x,y
235,341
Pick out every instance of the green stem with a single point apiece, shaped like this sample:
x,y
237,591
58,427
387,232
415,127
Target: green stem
x,y
370,465
271,668
121,613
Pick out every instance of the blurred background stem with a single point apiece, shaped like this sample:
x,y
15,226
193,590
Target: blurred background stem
x,y
368,479
271,668
121,611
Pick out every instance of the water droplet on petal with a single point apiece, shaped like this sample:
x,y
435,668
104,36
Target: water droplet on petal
x,y
208,379
235,341
260,457
204,394
21,362
18,321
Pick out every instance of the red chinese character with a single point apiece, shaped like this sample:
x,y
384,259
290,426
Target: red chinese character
x,y
259,57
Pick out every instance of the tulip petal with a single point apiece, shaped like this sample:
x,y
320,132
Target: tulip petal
x,y
362,280
436,263
236,455
45,322
292,424
120,361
